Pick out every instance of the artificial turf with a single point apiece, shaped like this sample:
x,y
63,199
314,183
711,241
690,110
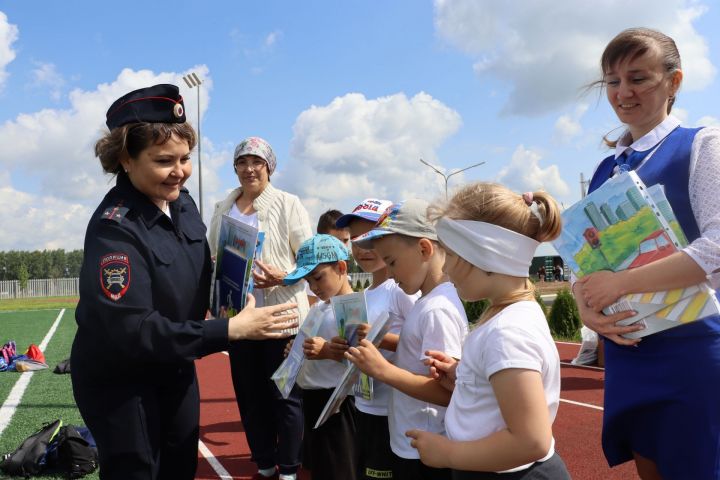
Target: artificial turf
x,y
48,395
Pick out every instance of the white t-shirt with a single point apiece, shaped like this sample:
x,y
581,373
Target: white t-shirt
x,y
517,337
251,220
317,374
386,297
437,321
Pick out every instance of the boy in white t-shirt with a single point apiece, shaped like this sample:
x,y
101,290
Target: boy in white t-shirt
x,y
375,458
330,449
406,241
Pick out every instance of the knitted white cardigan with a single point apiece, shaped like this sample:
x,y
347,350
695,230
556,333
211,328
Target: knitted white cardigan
x,y
286,225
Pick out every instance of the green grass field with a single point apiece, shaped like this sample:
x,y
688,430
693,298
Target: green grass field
x,y
48,396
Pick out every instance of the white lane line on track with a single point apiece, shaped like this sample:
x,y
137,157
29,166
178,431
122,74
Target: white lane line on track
x,y
589,367
594,407
567,343
214,463
15,397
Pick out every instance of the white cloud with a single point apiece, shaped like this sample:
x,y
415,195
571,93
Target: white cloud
x,y
524,174
355,148
54,148
45,75
547,51
567,127
681,114
272,38
708,121
40,221
8,35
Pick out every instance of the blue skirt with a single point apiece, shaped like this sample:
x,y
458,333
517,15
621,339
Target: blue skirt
x,y
662,401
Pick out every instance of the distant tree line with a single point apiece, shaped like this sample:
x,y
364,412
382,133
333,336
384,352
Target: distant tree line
x,y
17,265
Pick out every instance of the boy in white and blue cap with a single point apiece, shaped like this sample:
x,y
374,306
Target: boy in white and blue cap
x,y
329,451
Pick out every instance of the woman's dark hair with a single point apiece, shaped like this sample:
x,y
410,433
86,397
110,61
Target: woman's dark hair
x,y
633,43
133,138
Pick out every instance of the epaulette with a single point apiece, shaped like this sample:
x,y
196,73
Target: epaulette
x,y
115,213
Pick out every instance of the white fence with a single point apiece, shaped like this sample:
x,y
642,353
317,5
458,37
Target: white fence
x,y
69,287
48,287
362,276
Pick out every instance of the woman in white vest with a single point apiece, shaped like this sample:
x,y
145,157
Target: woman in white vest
x,y
273,425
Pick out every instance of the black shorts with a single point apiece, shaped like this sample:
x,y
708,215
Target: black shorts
x,y
373,443
414,469
330,448
551,469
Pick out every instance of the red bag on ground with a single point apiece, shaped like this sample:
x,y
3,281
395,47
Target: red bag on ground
x,y
34,353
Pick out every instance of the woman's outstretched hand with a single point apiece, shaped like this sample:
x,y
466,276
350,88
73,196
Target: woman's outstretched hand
x,y
262,323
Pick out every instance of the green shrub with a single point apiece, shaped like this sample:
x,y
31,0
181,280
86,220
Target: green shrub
x,y
367,283
564,318
539,299
358,286
473,310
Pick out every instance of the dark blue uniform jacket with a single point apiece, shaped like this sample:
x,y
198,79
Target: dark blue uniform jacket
x,y
144,289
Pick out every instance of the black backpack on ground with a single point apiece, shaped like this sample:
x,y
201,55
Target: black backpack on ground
x,y
77,456
29,458
54,449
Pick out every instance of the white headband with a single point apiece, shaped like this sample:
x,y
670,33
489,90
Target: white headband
x,y
487,246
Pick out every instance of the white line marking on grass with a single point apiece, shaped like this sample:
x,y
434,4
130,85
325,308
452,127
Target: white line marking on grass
x,y
15,397
28,311
595,407
214,463
590,367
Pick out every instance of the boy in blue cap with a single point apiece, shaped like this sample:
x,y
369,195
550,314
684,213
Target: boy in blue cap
x,y
329,449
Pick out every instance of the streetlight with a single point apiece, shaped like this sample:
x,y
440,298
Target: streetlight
x,y
446,177
192,80
584,184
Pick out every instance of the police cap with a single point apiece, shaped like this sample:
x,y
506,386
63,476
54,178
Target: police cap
x,y
157,104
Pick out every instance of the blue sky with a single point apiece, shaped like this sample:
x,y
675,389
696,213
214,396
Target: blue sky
x,y
350,94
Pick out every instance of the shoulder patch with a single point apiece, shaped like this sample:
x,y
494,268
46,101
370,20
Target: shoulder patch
x,y
115,213
115,275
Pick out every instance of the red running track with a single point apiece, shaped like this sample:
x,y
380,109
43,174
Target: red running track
x,y
576,429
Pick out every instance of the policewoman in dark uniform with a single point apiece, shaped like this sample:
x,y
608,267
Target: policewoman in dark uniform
x,y
144,289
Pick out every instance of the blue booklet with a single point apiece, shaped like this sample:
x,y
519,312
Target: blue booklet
x,y
238,246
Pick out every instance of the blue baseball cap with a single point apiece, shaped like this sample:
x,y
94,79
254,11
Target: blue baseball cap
x,y
370,209
318,249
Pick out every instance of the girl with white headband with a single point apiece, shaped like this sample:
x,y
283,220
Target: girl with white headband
x,y
506,389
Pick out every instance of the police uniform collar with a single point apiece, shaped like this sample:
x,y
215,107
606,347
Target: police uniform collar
x,y
134,199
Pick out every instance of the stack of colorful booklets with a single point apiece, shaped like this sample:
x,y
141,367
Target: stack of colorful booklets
x,y
622,225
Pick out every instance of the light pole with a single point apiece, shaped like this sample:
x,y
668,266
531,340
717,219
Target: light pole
x,y
446,177
193,81
583,185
